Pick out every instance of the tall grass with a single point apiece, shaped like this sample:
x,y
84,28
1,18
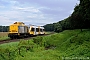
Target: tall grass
x,y
4,36
67,45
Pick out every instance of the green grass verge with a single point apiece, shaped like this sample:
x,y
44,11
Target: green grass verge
x,y
67,45
4,38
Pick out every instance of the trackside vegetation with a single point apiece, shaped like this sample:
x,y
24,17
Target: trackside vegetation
x,y
4,36
66,45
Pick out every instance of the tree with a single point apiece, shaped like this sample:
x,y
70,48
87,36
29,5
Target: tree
x,y
49,27
79,19
4,28
57,27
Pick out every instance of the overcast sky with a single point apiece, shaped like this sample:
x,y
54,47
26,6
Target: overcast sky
x,y
35,12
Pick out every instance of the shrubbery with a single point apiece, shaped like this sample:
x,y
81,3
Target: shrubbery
x,y
69,43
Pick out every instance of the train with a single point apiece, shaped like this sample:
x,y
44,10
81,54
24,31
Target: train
x,y
19,29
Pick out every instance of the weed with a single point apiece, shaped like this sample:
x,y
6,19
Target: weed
x,y
67,45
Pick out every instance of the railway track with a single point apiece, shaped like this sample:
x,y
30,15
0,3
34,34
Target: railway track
x,y
15,40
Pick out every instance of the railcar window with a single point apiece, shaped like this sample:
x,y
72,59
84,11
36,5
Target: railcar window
x,y
41,30
37,29
32,29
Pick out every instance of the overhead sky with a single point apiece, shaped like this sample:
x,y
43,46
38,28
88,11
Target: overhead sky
x,y
35,12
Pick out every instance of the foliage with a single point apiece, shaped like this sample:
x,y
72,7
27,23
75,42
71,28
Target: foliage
x,y
57,27
4,28
59,46
4,36
38,40
69,43
49,27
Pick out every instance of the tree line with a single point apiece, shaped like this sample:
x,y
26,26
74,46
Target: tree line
x,y
4,28
79,19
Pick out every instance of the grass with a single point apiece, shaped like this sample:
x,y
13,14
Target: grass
x,y
4,36
67,45
48,32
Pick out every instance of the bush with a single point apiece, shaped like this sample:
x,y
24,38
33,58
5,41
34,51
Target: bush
x,y
38,40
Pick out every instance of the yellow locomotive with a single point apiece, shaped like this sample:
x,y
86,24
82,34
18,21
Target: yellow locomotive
x,y
19,29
